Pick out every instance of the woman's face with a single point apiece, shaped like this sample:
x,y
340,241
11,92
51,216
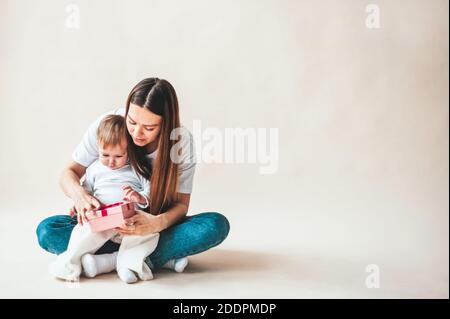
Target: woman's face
x,y
143,125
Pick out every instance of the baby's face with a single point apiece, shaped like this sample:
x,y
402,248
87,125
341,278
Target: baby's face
x,y
115,156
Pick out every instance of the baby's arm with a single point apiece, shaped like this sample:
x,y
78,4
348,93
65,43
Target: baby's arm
x,y
136,197
146,191
141,197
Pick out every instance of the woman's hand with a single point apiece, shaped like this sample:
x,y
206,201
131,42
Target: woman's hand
x,y
142,224
83,203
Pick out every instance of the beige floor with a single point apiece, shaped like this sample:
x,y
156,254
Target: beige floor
x,y
256,261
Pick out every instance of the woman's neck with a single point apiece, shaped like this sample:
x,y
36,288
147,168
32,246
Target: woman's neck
x,y
151,147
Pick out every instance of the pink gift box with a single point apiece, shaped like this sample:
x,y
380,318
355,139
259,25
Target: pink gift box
x,y
110,216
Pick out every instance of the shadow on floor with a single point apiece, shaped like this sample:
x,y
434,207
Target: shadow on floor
x,y
224,260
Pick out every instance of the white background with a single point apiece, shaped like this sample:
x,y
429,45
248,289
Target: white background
x,y
363,138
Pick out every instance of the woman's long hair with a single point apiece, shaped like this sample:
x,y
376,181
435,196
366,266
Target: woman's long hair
x,y
159,97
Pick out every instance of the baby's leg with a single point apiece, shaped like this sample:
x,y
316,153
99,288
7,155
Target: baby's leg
x,y
82,241
132,253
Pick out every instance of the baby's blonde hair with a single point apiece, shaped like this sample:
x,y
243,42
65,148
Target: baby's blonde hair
x,y
111,131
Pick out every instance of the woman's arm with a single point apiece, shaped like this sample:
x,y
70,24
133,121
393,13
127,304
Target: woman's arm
x,y
143,223
176,212
70,184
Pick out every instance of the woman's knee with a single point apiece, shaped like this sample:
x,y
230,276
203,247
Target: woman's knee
x,y
216,224
49,232
42,232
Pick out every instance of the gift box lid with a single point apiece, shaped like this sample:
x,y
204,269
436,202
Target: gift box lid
x,y
111,209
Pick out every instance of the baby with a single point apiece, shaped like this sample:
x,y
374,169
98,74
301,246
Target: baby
x,y
110,179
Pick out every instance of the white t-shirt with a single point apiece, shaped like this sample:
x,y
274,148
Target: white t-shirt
x,y
87,152
106,183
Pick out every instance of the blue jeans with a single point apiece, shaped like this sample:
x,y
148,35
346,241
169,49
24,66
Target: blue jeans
x,y
193,235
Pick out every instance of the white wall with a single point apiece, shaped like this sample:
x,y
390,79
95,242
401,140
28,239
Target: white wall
x,y
362,113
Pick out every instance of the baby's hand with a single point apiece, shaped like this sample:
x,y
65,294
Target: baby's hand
x,y
129,194
72,211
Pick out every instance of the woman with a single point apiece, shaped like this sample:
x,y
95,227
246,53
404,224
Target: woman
x,y
151,115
